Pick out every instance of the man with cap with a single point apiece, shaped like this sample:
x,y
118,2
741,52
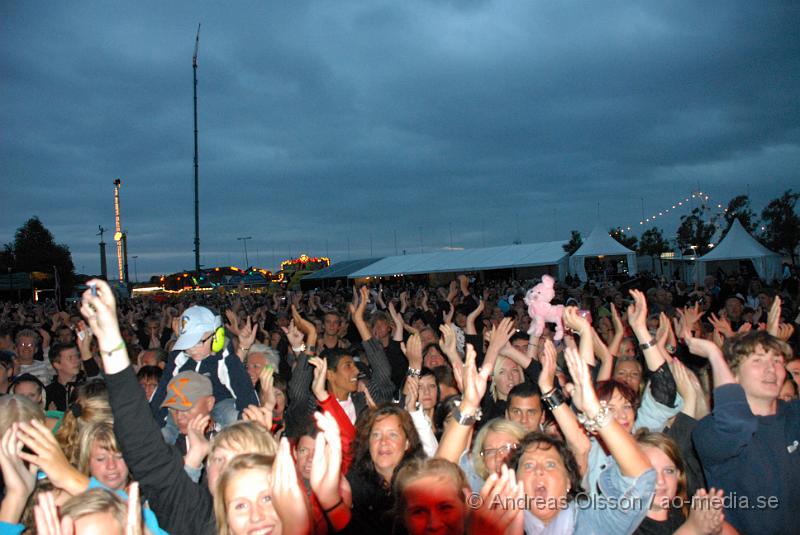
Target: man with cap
x,y
201,348
189,395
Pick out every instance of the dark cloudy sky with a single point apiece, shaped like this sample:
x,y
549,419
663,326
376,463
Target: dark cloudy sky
x,y
323,123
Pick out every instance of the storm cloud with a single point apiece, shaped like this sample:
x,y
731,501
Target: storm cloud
x,y
332,127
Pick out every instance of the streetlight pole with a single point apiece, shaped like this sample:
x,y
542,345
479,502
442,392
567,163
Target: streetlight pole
x,y
244,242
135,270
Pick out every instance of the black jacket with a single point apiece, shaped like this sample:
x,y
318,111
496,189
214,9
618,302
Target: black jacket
x,y
302,402
180,504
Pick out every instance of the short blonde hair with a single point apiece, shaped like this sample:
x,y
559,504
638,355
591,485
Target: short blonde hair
x,y
244,437
15,409
497,425
421,467
100,433
240,463
96,501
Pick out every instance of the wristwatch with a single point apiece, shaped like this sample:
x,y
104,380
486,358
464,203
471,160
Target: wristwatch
x,y
467,419
648,345
413,372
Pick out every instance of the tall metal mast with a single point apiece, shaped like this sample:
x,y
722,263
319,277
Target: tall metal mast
x,y
196,195
119,236
103,268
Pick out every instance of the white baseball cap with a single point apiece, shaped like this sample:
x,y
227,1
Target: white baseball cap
x,y
195,322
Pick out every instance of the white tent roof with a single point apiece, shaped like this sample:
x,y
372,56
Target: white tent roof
x,y
600,243
738,244
502,257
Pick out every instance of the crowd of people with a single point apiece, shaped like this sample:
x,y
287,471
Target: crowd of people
x,y
652,407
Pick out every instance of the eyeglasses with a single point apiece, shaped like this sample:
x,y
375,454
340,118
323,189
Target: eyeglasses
x,y
503,450
26,344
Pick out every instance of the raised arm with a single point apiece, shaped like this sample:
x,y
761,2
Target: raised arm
x,y
623,447
469,328
456,435
576,439
720,370
602,352
637,318
357,313
180,504
581,325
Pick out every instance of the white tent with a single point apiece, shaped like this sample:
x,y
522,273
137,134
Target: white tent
x,y
738,244
598,244
487,258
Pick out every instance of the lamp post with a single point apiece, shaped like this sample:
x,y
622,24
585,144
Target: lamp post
x,y
135,270
244,242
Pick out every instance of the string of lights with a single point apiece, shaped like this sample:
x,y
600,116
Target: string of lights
x,y
677,205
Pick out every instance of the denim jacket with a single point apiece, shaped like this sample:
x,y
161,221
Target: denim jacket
x,y
651,415
619,509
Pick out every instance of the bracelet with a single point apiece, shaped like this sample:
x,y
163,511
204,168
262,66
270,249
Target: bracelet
x,y
244,348
329,509
670,348
413,372
112,351
553,399
593,425
299,349
648,345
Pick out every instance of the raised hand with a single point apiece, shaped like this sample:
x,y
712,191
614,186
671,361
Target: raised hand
x,y
294,336
320,373
247,333
447,316
233,321
548,361
575,321
100,311
411,393
474,382
266,381
721,324
685,387
199,445
583,396
287,496
46,515
331,489
133,520
774,316
616,320
473,316
19,480
492,519
706,516
637,314
448,342
47,455
413,351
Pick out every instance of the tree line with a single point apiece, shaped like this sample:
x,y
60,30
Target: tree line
x,y
778,229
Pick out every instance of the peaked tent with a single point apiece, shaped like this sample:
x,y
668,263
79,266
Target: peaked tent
x,y
600,243
738,244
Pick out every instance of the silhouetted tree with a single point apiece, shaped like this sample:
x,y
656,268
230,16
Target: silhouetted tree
x,y
782,225
625,239
574,243
695,232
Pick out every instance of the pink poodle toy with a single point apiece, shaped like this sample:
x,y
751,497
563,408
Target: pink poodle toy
x,y
541,311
